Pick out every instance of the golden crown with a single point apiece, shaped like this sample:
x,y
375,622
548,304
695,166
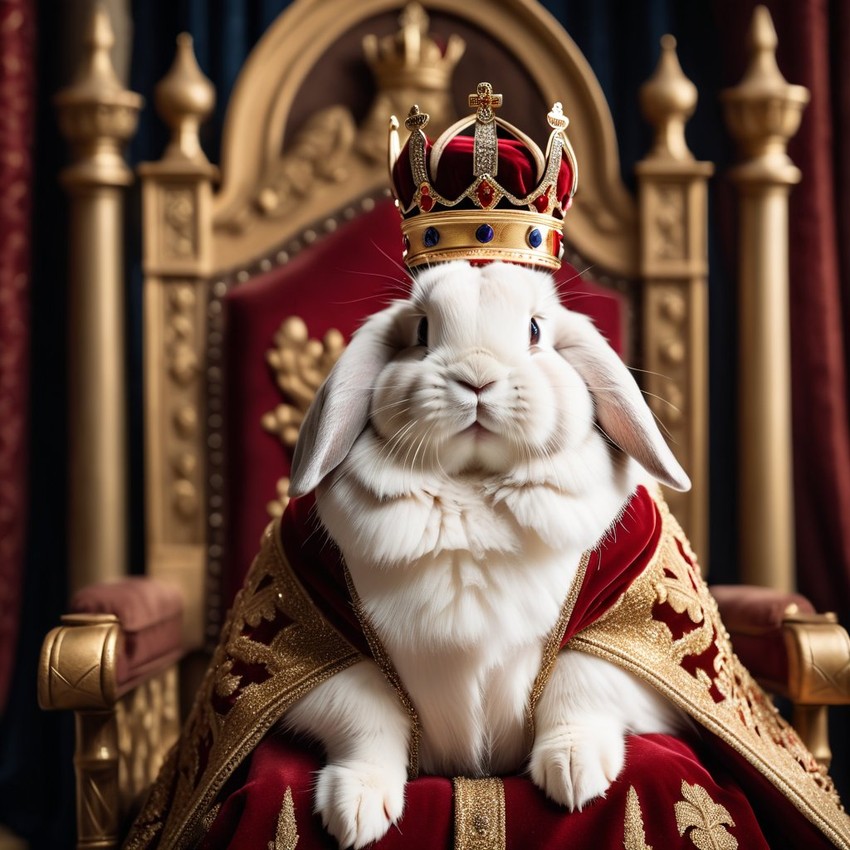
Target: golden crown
x,y
411,58
451,203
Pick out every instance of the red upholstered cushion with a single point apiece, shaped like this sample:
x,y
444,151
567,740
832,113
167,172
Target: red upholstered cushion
x,y
335,283
753,616
151,617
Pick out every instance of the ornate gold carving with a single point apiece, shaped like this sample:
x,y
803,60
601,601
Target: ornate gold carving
x,y
184,98
764,111
99,809
182,365
148,722
479,806
97,114
319,154
706,819
286,836
670,222
77,663
668,99
179,221
300,364
674,263
410,58
121,743
634,834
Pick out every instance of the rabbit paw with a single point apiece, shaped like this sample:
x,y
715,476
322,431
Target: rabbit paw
x,y
574,764
359,801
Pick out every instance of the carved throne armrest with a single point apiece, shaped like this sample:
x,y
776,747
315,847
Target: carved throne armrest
x,y
113,661
793,652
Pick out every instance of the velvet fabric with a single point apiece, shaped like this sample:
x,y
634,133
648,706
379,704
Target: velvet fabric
x,y
656,768
335,283
641,605
151,616
754,616
517,171
646,800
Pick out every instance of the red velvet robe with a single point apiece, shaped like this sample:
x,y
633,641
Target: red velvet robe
x,y
743,779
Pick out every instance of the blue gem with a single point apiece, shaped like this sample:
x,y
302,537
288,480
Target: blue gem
x,y
431,237
535,237
484,233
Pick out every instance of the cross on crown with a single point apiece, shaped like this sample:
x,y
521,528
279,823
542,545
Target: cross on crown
x,y
485,102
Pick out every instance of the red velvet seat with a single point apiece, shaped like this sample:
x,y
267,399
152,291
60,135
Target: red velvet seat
x,y
150,614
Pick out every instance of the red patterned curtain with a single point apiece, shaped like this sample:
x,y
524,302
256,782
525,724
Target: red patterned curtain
x,y
814,36
17,71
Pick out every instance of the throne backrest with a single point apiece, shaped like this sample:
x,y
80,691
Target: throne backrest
x,y
252,289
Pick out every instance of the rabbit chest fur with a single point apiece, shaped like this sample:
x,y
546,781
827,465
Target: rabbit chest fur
x,y
463,579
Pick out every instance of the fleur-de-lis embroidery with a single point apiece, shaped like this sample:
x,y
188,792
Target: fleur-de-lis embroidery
x,y
634,835
286,836
706,819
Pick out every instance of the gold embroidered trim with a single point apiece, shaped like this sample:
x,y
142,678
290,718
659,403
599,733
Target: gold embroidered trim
x,y
634,834
728,703
304,652
382,659
553,647
479,814
705,818
286,836
209,818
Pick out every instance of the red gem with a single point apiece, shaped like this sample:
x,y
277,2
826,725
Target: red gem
x,y
485,194
541,202
426,202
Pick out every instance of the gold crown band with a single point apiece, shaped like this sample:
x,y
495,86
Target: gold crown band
x,y
507,235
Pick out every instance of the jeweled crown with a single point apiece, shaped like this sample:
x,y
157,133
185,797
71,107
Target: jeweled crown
x,y
485,197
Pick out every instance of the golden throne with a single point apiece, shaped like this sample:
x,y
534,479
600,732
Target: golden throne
x,y
255,273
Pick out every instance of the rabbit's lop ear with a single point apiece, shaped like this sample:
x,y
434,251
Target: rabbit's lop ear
x,y
621,410
340,410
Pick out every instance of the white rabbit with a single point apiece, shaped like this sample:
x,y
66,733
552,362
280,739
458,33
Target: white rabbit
x,y
459,459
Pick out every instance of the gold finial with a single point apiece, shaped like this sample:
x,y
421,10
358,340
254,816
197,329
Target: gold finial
x,y
184,98
764,110
413,21
96,113
668,98
556,118
410,58
416,118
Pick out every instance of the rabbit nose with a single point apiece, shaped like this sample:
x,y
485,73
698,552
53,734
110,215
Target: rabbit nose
x,y
476,388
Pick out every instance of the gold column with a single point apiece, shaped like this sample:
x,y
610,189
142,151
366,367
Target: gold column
x,y
674,265
177,220
762,113
97,115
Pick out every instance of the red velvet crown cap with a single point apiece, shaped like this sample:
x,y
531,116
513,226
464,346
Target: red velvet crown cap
x,y
517,171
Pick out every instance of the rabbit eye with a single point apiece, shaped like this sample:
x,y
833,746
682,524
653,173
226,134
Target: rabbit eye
x,y
422,332
534,334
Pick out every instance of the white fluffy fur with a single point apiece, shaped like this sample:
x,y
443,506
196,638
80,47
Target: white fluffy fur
x,y
462,510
